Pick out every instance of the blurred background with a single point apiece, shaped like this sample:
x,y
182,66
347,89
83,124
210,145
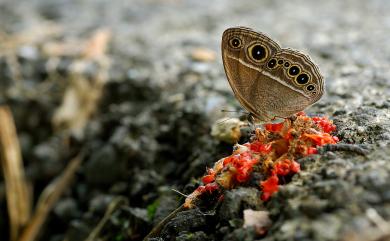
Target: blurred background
x,y
107,105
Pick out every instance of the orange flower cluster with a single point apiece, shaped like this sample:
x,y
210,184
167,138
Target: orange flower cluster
x,y
272,152
281,168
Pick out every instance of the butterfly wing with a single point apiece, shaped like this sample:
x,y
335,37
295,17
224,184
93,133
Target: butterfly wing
x,y
309,79
242,70
269,81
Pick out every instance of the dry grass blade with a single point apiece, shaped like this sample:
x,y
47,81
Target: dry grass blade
x,y
17,191
96,46
158,228
114,205
48,198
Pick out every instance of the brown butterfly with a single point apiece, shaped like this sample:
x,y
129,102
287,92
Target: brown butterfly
x,y
267,80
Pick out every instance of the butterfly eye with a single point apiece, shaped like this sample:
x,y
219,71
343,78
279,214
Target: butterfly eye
x,y
310,87
293,70
235,43
287,64
280,61
302,79
272,63
257,52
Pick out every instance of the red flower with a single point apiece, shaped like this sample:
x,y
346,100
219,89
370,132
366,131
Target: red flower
x,y
274,127
208,179
211,187
259,147
243,173
295,166
324,123
288,136
282,168
285,167
242,165
320,139
291,138
200,189
228,160
311,150
269,186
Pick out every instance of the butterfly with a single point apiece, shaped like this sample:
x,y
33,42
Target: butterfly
x,y
269,81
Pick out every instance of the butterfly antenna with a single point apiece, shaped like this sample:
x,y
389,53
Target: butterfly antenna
x,y
234,111
179,192
223,110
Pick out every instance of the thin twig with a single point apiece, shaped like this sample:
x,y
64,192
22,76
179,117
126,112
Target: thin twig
x,y
157,229
49,197
114,205
17,191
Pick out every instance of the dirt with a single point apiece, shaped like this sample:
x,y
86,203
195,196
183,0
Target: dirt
x,y
151,129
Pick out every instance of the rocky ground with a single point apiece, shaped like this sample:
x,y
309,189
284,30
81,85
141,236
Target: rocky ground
x,y
154,88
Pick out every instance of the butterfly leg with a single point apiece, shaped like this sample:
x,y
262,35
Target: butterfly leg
x,y
252,127
251,120
291,118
